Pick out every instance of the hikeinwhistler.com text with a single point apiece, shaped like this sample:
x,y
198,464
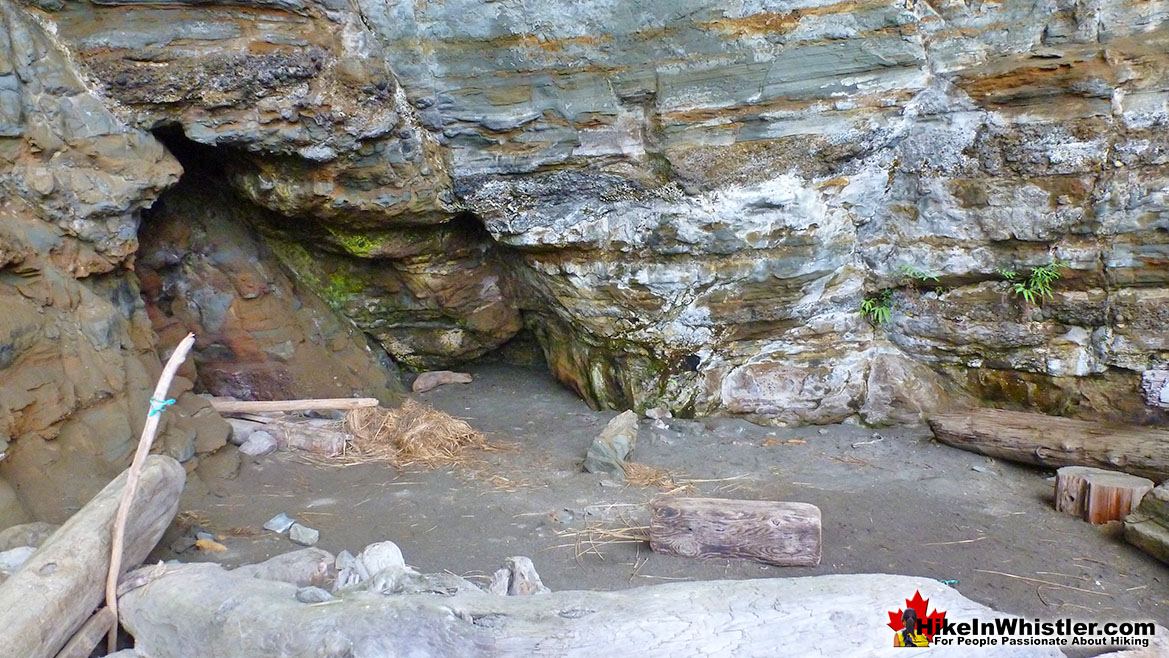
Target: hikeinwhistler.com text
x,y
1014,631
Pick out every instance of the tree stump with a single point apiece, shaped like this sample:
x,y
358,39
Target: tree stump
x,y
1096,495
784,534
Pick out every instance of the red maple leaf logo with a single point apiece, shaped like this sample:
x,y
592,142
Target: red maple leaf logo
x,y
931,622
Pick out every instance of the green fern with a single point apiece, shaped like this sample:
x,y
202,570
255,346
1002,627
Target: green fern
x,y
878,308
1039,283
910,273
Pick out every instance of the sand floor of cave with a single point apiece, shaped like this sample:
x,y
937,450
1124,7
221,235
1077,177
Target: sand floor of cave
x,y
904,504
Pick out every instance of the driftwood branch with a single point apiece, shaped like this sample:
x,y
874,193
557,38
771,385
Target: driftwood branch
x,y
1052,441
56,591
225,406
157,404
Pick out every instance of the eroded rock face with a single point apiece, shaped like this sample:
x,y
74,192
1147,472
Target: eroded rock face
x,y
78,357
728,182
688,204
259,335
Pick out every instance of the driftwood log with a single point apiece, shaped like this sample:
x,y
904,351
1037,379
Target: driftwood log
x,y
227,406
326,437
49,599
785,534
1052,441
90,633
1096,495
202,610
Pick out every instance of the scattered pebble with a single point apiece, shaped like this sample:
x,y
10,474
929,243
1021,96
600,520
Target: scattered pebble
x,y
279,523
205,535
313,595
303,535
258,444
980,468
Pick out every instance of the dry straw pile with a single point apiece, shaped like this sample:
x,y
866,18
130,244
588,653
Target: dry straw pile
x,y
413,434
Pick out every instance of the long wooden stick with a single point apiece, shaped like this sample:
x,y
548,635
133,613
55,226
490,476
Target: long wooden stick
x,y
157,403
264,406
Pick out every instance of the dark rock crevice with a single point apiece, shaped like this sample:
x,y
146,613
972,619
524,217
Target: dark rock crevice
x,y
261,334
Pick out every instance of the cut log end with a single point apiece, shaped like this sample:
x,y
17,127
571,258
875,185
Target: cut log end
x,y
1096,495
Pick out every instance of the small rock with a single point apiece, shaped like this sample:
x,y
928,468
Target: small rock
x,y
562,516
435,378
608,451
27,534
303,535
182,544
205,535
980,468
345,560
382,555
13,559
822,432
241,430
279,523
658,413
258,444
517,578
313,595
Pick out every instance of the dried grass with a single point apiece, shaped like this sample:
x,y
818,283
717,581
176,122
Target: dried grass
x,y
243,531
192,518
642,475
414,434
595,536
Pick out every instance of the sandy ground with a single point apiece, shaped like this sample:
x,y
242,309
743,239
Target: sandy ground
x,y
893,501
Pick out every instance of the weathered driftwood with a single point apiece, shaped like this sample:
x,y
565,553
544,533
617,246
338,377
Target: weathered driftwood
x,y
226,406
1096,495
1053,441
1148,527
89,635
203,610
318,435
57,590
149,429
786,534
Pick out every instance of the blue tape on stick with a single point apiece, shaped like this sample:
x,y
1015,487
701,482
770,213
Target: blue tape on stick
x,y
157,406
